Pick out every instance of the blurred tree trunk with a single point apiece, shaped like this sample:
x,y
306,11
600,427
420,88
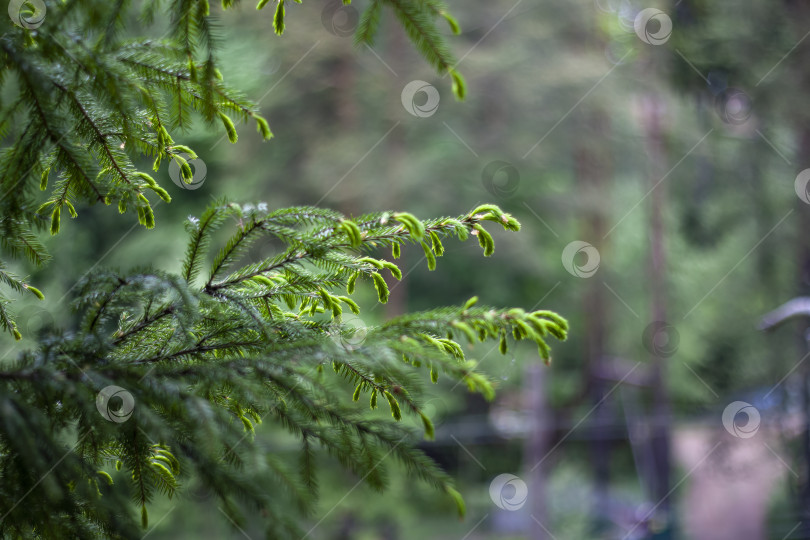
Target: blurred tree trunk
x,y
800,14
347,528
395,165
593,171
345,86
537,447
652,112
803,259
343,82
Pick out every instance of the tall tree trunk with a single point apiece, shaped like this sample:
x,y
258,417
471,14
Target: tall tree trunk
x,y
593,166
537,446
660,430
803,259
800,80
395,165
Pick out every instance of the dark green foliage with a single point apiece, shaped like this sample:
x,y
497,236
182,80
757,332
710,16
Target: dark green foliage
x,y
199,359
211,353
87,107
419,20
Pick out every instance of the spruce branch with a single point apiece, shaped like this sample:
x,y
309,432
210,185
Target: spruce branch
x,y
207,363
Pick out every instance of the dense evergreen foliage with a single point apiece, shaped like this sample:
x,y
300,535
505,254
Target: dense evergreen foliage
x,y
92,96
168,376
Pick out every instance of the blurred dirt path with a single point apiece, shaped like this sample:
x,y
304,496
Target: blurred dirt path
x,y
727,494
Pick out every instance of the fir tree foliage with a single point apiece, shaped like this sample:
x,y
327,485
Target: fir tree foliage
x,y
209,354
91,100
166,377
418,18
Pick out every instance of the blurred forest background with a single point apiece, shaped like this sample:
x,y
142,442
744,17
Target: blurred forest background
x,y
672,155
